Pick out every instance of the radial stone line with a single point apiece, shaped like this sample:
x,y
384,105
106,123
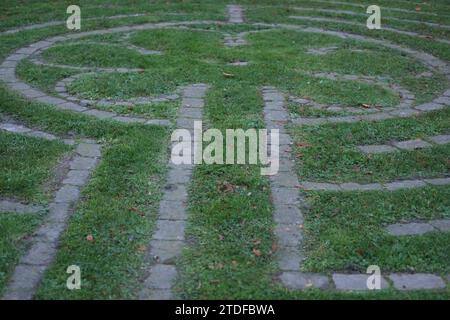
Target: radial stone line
x,y
44,243
168,238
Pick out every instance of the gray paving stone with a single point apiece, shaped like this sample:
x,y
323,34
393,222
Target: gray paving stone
x,y
288,235
72,107
100,114
287,214
50,100
403,113
67,194
32,93
179,176
17,207
125,119
412,144
441,224
158,122
403,229
351,186
192,103
376,116
438,181
383,148
165,251
288,258
443,100
301,281
276,115
313,186
175,192
354,282
405,184
428,107
24,282
169,230
50,232
192,113
418,281
58,212
441,139
172,210
89,150
285,195
40,253
77,177
161,276
10,127
345,119
285,179
83,163
309,121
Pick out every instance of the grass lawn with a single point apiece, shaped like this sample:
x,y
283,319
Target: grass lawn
x,y
230,252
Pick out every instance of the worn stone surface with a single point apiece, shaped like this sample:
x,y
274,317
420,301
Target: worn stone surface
x,y
302,281
77,177
320,186
165,251
82,163
441,139
161,276
89,150
403,229
405,184
438,181
354,282
17,207
41,253
418,281
412,144
172,210
23,282
169,230
441,224
67,194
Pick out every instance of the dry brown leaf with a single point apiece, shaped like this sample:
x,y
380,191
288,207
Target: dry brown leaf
x,y
90,237
256,252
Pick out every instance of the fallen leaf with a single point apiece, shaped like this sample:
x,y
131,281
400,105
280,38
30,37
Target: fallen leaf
x,y
274,247
221,237
256,252
365,105
228,75
418,8
234,263
90,237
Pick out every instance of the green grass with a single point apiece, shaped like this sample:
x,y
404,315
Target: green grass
x,y
14,229
27,164
331,154
344,231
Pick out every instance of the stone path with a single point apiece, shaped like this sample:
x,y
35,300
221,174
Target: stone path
x,y
387,186
288,200
8,205
61,89
352,13
63,22
235,14
168,239
352,23
44,242
17,128
417,228
408,145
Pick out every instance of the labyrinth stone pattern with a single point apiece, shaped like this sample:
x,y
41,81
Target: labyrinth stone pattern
x,y
288,193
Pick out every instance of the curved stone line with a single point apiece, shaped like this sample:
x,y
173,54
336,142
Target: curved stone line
x,y
406,97
61,89
235,13
387,186
56,23
431,24
382,7
395,146
288,201
7,72
10,205
168,239
29,271
20,129
418,228
352,23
